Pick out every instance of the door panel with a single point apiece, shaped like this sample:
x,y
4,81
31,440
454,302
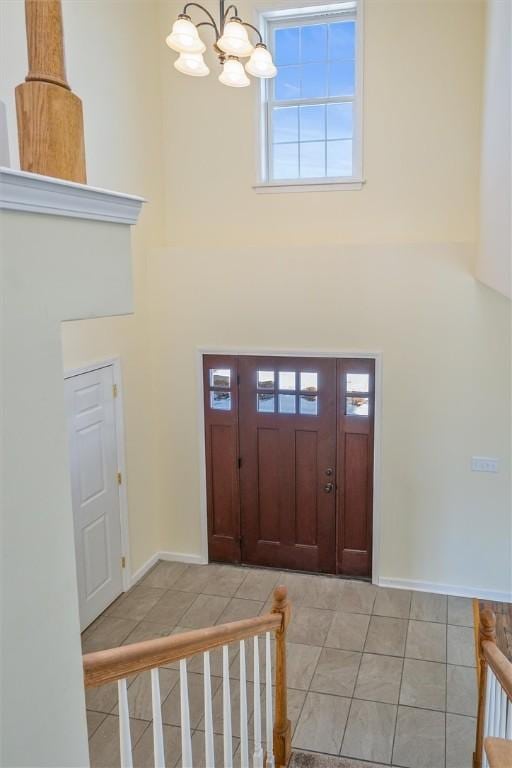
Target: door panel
x,y
356,395
94,488
287,429
221,436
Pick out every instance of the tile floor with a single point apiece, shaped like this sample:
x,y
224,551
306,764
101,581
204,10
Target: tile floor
x,y
378,676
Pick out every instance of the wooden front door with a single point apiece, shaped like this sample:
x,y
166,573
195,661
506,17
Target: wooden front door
x,y
289,462
288,450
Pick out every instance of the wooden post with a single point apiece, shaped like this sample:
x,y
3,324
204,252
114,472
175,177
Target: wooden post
x,y
50,119
487,632
282,726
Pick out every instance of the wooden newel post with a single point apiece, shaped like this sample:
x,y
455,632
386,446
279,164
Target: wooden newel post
x,y
282,726
487,633
50,119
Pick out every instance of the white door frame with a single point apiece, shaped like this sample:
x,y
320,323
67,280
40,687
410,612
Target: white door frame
x,y
115,364
377,446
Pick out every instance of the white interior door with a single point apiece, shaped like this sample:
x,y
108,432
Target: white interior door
x,y
95,490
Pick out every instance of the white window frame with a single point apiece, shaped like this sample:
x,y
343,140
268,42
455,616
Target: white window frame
x,y
290,14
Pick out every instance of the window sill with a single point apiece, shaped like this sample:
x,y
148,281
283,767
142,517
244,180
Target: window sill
x,y
273,187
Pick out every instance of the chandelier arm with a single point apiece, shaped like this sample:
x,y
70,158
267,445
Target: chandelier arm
x,y
255,29
209,24
228,9
205,10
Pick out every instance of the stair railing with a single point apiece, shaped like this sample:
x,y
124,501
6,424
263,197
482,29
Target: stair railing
x,y
494,674
117,664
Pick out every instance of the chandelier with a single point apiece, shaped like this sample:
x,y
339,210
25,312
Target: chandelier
x,y
231,44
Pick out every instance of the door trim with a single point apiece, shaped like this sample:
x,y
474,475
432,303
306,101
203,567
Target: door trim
x,y
115,364
377,447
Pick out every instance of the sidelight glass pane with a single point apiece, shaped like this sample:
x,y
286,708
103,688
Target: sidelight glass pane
x,y
287,404
220,377
308,405
286,379
266,403
358,382
357,406
220,401
266,380
308,381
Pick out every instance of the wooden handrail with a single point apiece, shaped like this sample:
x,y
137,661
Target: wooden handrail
x,y
115,664
499,753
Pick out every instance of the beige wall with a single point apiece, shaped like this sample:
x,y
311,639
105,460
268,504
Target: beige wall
x,y
112,64
494,261
422,75
42,712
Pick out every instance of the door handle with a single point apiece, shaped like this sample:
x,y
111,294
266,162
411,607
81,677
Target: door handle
x,y
328,487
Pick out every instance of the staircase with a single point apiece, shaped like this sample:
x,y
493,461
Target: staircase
x,y
118,664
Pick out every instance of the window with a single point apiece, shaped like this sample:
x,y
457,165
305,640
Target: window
x,y
312,107
285,394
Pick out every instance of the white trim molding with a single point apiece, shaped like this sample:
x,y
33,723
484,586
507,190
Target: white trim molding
x,y
33,193
445,589
171,557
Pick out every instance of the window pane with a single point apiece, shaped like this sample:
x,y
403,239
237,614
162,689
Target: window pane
x,y
309,382
265,379
358,382
287,83
342,40
339,158
286,379
312,160
220,377
220,401
308,405
339,121
341,78
314,81
285,124
312,123
357,406
287,404
286,161
314,43
266,403
286,45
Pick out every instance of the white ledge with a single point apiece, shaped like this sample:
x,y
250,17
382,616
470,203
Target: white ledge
x,y
30,192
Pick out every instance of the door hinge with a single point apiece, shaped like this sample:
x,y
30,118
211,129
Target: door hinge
x,y
114,390
123,562
119,478
239,462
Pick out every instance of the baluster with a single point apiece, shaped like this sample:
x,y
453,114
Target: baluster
x,y
125,741
492,705
508,730
502,726
258,751
244,739
268,698
226,704
158,733
186,741
486,633
208,718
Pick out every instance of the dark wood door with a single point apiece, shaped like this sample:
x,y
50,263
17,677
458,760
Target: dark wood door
x,y
287,428
221,439
356,398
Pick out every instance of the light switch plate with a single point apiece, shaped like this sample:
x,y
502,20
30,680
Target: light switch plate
x,y
483,464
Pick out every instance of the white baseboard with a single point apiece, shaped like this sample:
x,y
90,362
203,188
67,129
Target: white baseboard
x,y
175,557
445,589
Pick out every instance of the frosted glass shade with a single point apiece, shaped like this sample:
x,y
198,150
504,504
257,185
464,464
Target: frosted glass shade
x,y
184,37
234,40
233,74
260,64
192,64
